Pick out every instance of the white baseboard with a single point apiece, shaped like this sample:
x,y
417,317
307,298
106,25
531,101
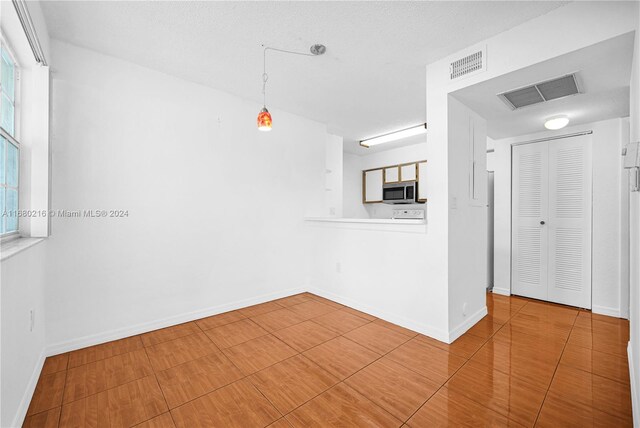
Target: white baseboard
x,y
427,330
501,291
107,336
603,310
21,413
467,324
634,391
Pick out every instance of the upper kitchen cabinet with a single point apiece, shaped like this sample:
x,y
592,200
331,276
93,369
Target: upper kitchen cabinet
x,y
422,181
392,174
372,186
408,172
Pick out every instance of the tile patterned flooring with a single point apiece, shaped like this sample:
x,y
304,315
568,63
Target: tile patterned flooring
x,y
306,361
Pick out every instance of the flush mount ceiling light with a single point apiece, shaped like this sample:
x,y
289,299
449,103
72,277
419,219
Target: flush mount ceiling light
x,y
556,122
394,136
264,117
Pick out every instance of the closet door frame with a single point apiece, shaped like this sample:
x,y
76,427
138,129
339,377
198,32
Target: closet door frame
x,y
511,217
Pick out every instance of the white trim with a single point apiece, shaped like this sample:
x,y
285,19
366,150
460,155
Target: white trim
x,y
634,391
467,324
427,330
107,336
501,291
7,237
21,413
604,310
29,30
14,246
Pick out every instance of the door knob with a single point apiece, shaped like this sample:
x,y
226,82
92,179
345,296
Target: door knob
x,y
542,222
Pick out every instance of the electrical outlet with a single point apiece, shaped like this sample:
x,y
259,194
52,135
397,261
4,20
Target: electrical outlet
x,y
464,309
339,267
332,211
32,319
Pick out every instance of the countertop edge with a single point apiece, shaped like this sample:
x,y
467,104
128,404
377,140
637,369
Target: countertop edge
x,y
403,222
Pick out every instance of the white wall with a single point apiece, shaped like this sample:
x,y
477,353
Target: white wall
x,y
357,264
22,276
490,154
634,240
352,187
467,218
354,264
563,30
333,176
23,283
608,139
412,153
384,270
215,207
566,29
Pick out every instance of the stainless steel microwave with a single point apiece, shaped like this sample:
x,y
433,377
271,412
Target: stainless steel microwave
x,y
400,193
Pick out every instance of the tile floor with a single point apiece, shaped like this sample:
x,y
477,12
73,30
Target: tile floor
x,y
306,361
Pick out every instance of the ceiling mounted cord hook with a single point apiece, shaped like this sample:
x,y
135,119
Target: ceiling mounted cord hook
x,y
265,76
264,117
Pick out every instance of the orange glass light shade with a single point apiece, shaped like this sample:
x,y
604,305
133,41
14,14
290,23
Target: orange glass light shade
x,y
264,120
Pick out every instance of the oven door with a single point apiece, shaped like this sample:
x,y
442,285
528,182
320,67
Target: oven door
x,y
394,194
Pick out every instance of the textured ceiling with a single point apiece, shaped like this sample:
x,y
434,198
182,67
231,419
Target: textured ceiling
x,y
603,72
371,80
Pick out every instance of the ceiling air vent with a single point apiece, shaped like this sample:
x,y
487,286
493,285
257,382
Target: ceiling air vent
x,y
540,92
470,64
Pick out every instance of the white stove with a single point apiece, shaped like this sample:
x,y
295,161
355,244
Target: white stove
x,y
408,215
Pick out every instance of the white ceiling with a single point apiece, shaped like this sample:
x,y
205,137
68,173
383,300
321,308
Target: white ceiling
x,y
603,74
370,81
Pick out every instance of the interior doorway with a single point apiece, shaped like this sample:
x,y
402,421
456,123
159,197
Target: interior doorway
x,y
490,247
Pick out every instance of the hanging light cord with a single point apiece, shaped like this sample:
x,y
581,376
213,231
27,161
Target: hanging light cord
x,y
265,76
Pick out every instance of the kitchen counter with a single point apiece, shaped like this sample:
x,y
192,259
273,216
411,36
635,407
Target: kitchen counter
x,y
384,224
384,267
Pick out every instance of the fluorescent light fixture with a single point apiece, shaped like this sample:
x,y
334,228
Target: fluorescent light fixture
x,y
394,136
557,122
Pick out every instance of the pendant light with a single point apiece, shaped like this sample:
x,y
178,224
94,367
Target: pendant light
x,y
264,120
264,117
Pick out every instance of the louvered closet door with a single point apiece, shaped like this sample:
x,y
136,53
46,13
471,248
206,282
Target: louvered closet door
x,y
570,221
529,241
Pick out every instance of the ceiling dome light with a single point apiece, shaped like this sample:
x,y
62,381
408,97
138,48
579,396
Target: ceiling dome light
x,y
264,120
557,122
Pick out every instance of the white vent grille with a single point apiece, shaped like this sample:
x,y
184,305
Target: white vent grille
x,y
470,64
541,92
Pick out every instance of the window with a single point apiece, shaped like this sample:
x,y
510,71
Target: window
x,y
9,146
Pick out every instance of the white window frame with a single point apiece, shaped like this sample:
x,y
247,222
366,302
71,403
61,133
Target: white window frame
x,y
12,139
